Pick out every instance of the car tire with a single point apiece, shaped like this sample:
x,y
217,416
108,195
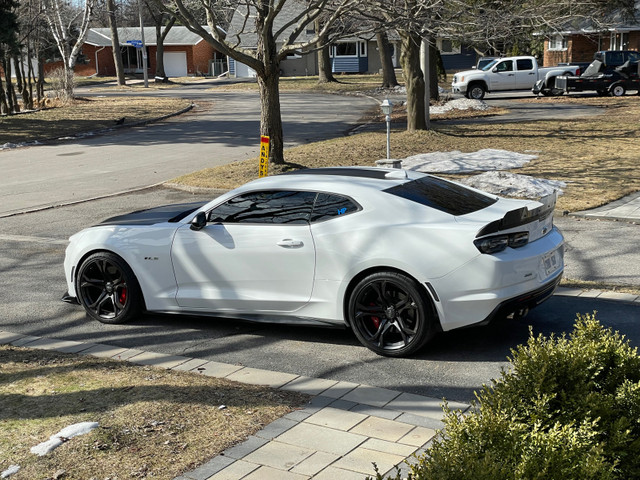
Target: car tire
x,y
617,90
107,289
476,91
390,314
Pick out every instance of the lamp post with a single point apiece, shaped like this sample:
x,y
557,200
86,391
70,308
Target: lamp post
x,y
387,107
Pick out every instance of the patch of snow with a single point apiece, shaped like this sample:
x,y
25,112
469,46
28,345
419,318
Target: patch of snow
x,y
514,185
457,162
10,471
62,436
460,104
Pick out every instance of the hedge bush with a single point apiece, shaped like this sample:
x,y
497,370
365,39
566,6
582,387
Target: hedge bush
x,y
567,408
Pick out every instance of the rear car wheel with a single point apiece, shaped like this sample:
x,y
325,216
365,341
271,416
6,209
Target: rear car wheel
x,y
476,91
390,315
107,288
617,90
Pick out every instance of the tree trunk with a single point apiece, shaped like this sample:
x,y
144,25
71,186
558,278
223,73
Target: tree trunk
x,y
434,56
325,70
19,83
389,79
40,84
270,118
268,82
160,37
410,59
10,92
4,107
115,43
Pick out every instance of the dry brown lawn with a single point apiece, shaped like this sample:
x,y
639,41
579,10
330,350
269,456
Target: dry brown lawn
x,y
153,423
84,115
596,156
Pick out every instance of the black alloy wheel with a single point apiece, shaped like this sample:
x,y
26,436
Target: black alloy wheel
x,y
390,315
107,288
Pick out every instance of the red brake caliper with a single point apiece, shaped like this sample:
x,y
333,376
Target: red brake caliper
x,y
375,320
123,296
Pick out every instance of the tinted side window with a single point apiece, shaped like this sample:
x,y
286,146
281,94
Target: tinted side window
x,y
506,66
329,206
524,64
265,207
442,195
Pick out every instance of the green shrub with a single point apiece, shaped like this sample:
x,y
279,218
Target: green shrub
x,y
567,408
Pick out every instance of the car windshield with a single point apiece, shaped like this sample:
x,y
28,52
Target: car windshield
x,y
442,195
490,65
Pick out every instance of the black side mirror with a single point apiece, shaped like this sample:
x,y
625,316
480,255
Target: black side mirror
x,y
199,221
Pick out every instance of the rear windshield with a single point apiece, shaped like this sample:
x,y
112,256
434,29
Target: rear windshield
x,y
442,195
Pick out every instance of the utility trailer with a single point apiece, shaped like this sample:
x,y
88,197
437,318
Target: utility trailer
x,y
615,82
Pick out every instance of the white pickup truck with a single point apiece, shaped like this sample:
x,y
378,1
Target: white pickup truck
x,y
508,73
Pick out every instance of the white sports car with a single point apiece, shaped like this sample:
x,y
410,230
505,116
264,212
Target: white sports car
x,y
395,255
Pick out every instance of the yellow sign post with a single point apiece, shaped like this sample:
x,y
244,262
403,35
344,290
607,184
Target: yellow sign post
x,y
264,156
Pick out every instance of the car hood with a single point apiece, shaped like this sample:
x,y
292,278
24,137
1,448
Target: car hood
x,y
151,216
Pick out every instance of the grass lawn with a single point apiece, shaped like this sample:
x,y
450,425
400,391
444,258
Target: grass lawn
x,y
596,156
84,115
153,423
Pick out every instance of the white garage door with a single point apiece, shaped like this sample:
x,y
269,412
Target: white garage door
x,y
175,64
244,71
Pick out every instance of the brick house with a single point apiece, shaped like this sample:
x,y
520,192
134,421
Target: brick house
x,y
580,43
185,53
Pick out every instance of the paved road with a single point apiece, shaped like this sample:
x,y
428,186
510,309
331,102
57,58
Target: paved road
x,y
32,250
456,363
35,177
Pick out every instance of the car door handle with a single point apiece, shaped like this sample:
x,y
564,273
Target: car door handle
x,y
290,243
531,73
511,74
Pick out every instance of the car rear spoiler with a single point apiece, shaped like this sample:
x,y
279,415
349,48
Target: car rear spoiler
x,y
521,216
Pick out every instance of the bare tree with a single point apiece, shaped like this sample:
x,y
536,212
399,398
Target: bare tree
x,y
389,79
115,42
277,26
69,26
414,20
9,28
163,23
514,27
325,71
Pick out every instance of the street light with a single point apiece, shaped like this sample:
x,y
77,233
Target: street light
x,y
387,107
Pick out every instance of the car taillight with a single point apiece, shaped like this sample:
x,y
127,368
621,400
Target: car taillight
x,y
498,243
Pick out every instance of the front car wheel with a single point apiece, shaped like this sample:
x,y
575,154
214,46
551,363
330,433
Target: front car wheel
x,y
476,91
107,288
390,315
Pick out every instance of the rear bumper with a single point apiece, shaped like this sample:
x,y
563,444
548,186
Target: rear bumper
x,y
524,302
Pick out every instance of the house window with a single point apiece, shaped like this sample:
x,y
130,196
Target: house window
x,y
349,49
558,43
345,49
619,41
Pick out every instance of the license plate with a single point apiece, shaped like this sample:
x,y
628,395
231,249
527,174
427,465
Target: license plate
x,y
551,262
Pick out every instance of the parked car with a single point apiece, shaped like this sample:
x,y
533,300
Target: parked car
x,y
615,58
507,73
395,255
